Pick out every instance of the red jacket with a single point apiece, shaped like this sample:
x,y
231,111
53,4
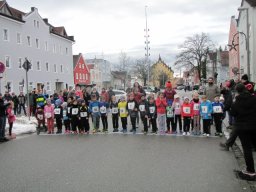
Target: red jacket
x,y
161,105
186,110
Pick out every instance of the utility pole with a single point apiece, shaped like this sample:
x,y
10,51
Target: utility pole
x,y
147,48
27,65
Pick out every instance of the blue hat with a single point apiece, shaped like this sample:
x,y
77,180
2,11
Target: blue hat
x,y
58,102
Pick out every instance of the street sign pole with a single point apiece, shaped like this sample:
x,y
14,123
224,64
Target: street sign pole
x,y
27,66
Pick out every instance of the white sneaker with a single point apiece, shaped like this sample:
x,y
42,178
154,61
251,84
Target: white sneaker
x,y
204,134
208,135
188,133
184,133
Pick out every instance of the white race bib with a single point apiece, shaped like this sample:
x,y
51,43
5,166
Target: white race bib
x,y
122,110
177,106
57,111
131,105
95,109
152,109
114,110
103,109
142,108
217,109
48,115
196,107
186,110
64,113
74,111
40,117
170,113
204,109
83,114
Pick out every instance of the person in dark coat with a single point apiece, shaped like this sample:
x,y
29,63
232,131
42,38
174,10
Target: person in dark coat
x,y
244,112
15,101
3,115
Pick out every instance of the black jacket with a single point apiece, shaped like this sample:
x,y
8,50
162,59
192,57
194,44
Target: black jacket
x,y
3,108
244,111
228,99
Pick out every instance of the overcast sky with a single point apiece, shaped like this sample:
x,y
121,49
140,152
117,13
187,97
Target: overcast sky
x,y
109,26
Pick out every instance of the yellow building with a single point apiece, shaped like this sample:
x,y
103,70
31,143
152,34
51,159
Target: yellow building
x,y
160,73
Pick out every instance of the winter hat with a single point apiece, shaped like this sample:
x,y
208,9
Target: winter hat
x,y
168,84
58,102
240,88
245,77
176,96
186,98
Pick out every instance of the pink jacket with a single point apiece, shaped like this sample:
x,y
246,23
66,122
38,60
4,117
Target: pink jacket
x,y
177,107
48,111
11,117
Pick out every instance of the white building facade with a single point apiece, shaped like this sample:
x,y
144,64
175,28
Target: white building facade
x,y
247,25
48,48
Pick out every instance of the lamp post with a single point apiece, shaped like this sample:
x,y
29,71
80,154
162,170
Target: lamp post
x,y
147,48
247,40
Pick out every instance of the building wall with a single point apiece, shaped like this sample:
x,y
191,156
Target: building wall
x,y
57,53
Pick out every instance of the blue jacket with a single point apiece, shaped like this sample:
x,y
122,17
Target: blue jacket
x,y
104,104
94,108
217,104
206,110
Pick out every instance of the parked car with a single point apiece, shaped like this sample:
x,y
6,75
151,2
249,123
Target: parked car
x,y
119,94
149,90
180,87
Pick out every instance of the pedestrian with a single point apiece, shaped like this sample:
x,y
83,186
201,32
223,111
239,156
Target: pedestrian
x,y
49,115
104,94
196,114
95,92
206,115
22,102
152,114
218,115
58,115
123,112
40,117
15,101
176,105
74,113
211,90
143,113
249,85
104,107
84,126
94,108
161,105
3,107
114,112
133,108
170,119
11,117
186,114
244,112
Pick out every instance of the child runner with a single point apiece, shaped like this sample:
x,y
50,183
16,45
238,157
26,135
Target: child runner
x,y
66,119
49,115
122,106
133,111
170,119
58,114
152,114
11,117
161,112
186,113
104,106
196,113
143,113
114,112
40,117
74,116
69,105
84,126
206,114
94,108
218,115
177,112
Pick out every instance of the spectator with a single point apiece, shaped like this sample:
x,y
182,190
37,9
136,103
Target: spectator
x,y
3,115
15,101
211,90
110,93
22,102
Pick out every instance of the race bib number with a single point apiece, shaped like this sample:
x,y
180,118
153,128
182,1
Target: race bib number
x,y
196,107
186,110
48,115
83,114
40,117
131,105
204,109
152,109
217,109
68,109
75,111
142,108
95,109
64,113
177,106
170,113
114,110
57,111
122,110
103,109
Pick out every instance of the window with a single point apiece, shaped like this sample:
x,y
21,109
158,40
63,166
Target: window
x,y
37,43
29,40
61,68
20,63
48,86
80,76
18,38
38,66
60,50
46,46
6,35
79,66
55,68
34,23
7,61
10,87
66,50
47,67
86,76
30,86
37,24
83,76
54,48
76,75
82,66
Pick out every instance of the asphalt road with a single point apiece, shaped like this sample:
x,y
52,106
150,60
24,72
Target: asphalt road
x,y
116,163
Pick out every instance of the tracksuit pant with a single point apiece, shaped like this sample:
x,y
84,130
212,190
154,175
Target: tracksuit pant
x,y
207,125
170,121
186,124
145,122
84,124
115,119
104,119
59,125
124,123
178,120
217,117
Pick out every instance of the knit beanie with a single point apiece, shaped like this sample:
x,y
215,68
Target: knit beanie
x,y
168,84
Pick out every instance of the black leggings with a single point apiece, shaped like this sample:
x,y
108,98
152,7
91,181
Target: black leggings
x,y
115,121
124,122
186,122
206,125
145,122
10,128
104,119
133,121
170,121
153,123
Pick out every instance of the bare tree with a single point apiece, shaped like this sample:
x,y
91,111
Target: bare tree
x,y
141,70
194,52
124,60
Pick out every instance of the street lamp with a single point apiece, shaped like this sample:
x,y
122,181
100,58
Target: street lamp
x,y
247,40
147,48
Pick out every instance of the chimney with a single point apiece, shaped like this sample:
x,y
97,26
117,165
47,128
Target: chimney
x,y
33,9
46,20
